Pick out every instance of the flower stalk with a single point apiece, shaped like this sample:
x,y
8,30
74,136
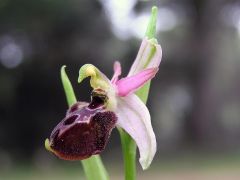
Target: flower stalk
x,y
128,144
93,166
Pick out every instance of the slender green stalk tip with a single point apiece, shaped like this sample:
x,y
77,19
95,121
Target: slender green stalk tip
x,y
93,166
151,28
69,92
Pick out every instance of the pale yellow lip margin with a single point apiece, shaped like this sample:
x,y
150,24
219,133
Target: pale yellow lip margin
x,y
48,147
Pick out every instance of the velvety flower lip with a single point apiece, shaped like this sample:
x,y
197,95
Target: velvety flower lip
x,y
84,131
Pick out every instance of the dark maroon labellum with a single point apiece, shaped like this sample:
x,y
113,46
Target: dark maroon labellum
x,y
84,131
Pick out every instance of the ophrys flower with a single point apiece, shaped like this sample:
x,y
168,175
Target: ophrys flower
x,y
86,128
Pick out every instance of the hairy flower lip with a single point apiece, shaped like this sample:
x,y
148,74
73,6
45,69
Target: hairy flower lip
x,y
84,131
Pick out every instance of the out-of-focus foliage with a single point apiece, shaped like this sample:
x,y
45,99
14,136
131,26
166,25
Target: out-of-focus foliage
x,y
194,100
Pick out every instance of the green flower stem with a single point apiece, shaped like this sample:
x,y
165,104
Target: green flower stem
x,y
128,144
129,153
93,166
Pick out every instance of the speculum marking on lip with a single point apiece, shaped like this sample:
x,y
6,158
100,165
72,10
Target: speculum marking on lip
x,y
76,106
70,120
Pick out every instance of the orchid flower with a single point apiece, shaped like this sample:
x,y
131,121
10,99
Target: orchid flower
x,y
87,126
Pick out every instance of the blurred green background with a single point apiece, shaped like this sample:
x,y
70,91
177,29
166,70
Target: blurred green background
x,y
194,100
